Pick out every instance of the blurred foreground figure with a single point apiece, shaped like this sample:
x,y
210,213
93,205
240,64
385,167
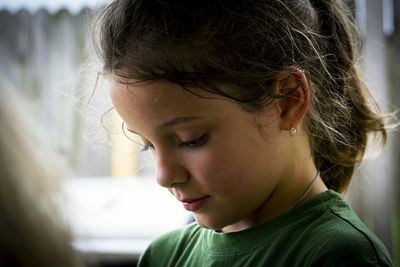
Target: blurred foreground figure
x,y
31,228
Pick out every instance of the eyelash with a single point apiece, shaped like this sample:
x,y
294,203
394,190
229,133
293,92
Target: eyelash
x,y
195,143
146,147
192,144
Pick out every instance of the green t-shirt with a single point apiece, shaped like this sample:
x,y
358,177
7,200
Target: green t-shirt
x,y
324,231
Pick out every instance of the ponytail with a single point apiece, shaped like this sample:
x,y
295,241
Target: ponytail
x,y
343,113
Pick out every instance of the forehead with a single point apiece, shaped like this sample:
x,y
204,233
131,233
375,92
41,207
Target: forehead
x,y
159,95
143,104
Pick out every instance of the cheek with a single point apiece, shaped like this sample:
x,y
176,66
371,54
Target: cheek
x,y
219,170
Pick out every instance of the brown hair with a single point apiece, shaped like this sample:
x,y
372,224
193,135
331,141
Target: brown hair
x,y
236,48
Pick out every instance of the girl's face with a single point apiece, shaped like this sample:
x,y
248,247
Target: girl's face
x,y
209,153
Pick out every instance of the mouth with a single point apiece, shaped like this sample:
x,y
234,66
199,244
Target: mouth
x,y
194,204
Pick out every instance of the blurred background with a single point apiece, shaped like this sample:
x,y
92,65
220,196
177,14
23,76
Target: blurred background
x,y
113,205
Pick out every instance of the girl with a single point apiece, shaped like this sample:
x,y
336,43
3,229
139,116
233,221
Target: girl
x,y
256,115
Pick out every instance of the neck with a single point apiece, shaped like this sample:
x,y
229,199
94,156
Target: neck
x,y
306,191
289,193
295,186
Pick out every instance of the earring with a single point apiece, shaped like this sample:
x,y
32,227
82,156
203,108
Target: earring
x,y
292,131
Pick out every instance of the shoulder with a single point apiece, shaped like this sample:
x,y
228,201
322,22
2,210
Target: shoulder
x,y
168,247
182,235
341,237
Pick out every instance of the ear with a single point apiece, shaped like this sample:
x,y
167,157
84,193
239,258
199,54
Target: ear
x,y
293,85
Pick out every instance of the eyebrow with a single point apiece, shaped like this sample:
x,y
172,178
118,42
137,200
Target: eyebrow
x,y
173,122
178,120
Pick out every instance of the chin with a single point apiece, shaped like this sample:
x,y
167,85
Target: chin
x,y
212,225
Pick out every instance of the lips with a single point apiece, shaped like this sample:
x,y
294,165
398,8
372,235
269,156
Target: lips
x,y
194,204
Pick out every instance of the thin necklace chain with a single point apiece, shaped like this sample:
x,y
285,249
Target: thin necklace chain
x,y
306,192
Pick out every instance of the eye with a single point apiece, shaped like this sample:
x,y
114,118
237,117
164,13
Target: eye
x,y
147,147
195,143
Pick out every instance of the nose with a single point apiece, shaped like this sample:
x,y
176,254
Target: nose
x,y
169,170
